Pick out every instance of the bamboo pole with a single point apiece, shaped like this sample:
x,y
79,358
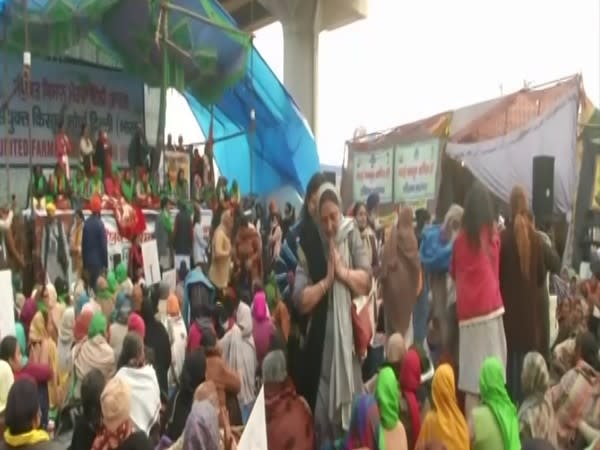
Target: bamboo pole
x,y
162,110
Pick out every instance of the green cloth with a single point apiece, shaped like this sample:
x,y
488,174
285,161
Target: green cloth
x,y
127,189
104,294
97,325
387,393
165,219
20,335
121,272
271,292
492,391
487,434
111,280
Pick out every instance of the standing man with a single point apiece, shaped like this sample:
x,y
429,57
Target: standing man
x,y
94,250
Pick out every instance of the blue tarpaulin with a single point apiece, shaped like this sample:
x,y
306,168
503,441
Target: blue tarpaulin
x,y
277,150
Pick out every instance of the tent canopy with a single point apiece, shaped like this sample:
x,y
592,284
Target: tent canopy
x,y
209,59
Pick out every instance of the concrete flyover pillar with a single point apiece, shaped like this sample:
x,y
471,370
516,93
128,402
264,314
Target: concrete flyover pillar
x,y
300,20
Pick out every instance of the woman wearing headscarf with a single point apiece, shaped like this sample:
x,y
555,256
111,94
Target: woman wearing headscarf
x,y
365,425
193,374
157,339
239,353
81,328
141,378
444,423
89,422
475,266
289,420
536,414
323,292
395,350
227,380
178,338
367,234
494,425
262,328
22,419
400,275
118,329
65,345
522,276
43,334
202,428
391,433
435,251
94,352
118,431
410,381
575,396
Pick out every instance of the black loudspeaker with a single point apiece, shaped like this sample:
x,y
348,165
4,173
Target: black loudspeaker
x,y
543,189
329,176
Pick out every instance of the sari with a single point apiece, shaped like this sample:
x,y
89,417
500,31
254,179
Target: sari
x,y
536,415
445,423
364,425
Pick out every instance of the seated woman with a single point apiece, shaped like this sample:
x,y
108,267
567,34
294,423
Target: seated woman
x,y
22,419
575,397
112,185
494,425
445,423
39,188
239,352
536,414
128,186
59,189
118,431
141,377
410,381
95,352
226,379
262,329
89,423
192,376
289,419
94,185
392,434
144,196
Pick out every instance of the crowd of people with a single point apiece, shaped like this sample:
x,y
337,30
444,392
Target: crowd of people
x,y
432,334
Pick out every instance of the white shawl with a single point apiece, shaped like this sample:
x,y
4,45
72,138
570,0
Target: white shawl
x,y
239,353
145,396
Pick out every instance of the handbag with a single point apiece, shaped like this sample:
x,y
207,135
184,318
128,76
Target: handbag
x,y
361,329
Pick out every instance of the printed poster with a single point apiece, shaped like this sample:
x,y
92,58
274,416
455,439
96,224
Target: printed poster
x,y
151,263
74,94
373,174
416,168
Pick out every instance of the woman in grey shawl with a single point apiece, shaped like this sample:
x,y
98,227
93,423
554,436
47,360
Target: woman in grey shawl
x,y
348,275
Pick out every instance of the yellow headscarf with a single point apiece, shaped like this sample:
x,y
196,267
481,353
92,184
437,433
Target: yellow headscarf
x,y
445,423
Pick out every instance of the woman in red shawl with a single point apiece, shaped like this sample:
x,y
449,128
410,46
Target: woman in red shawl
x,y
289,420
131,223
410,381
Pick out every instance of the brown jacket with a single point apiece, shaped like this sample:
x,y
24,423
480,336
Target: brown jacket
x,y
226,380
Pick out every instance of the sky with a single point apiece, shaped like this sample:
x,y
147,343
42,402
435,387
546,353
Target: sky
x,y
410,60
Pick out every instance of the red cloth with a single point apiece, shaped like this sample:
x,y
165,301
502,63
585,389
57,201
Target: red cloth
x,y
194,337
476,274
410,381
136,324
82,325
63,146
96,204
41,373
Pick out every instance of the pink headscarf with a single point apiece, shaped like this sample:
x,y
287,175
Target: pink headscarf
x,y
136,323
262,329
259,307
